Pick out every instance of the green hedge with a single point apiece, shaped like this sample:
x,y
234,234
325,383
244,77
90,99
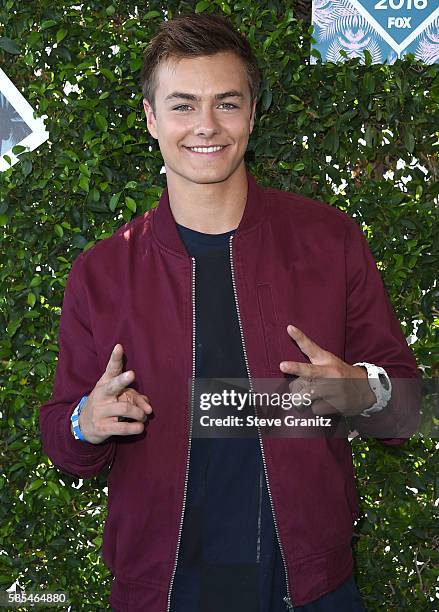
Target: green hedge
x,y
332,132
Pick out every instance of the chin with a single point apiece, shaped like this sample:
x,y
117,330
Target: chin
x,y
208,180
209,176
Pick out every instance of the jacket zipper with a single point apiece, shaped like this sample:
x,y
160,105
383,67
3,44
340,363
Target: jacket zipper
x,y
287,598
190,437
258,540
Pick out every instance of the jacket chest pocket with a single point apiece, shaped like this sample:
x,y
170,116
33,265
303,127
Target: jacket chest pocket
x,y
270,328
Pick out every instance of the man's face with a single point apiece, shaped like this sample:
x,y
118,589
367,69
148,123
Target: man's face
x,y
189,115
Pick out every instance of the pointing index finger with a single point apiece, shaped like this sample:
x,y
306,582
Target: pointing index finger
x,y
115,364
306,345
113,381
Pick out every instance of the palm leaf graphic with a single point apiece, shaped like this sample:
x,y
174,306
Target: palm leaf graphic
x,y
333,17
428,44
354,50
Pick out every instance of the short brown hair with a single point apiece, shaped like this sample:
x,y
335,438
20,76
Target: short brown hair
x,y
195,35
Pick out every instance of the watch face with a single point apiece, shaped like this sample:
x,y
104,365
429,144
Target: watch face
x,y
384,381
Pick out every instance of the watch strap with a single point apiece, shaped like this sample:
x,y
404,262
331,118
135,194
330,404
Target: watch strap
x,y
380,384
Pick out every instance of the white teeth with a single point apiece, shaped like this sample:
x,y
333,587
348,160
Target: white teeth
x,y
205,149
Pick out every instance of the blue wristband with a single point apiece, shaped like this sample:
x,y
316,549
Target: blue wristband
x,y
77,433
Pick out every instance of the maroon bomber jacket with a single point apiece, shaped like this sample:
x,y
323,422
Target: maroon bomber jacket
x,y
294,260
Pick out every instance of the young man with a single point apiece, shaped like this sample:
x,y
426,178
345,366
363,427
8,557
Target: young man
x,y
206,286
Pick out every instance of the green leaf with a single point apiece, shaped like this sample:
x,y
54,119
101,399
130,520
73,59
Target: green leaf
x,y
332,141
152,14
368,81
29,58
267,98
130,203
294,108
35,281
126,214
48,23
31,299
299,166
84,183
408,139
131,119
12,327
367,57
101,122
201,6
369,136
114,200
53,486
35,485
108,74
9,46
63,52
17,149
59,230
26,167
33,38
84,169
61,34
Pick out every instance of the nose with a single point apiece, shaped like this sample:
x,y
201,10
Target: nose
x,y
206,124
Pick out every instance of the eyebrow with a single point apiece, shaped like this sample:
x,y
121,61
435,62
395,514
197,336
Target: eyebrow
x,y
233,93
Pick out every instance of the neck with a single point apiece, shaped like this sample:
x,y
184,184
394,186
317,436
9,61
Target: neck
x,y
211,208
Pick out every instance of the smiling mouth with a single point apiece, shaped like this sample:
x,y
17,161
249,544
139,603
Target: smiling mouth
x,y
206,150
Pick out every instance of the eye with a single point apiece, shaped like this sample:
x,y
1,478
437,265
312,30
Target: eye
x,y
185,106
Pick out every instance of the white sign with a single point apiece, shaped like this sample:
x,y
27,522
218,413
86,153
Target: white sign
x,y
388,29
17,123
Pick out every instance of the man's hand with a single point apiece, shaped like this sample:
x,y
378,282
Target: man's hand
x,y
336,386
99,418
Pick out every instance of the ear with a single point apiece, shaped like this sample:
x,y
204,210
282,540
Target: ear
x,y
150,119
252,116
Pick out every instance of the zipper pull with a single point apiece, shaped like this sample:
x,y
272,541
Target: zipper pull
x,y
289,603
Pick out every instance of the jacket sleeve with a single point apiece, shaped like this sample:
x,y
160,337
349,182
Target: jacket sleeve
x,y
374,335
76,374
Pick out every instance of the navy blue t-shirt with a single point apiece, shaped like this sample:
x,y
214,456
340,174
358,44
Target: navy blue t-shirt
x,y
229,557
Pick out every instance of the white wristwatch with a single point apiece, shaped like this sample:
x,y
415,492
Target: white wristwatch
x,y
380,384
